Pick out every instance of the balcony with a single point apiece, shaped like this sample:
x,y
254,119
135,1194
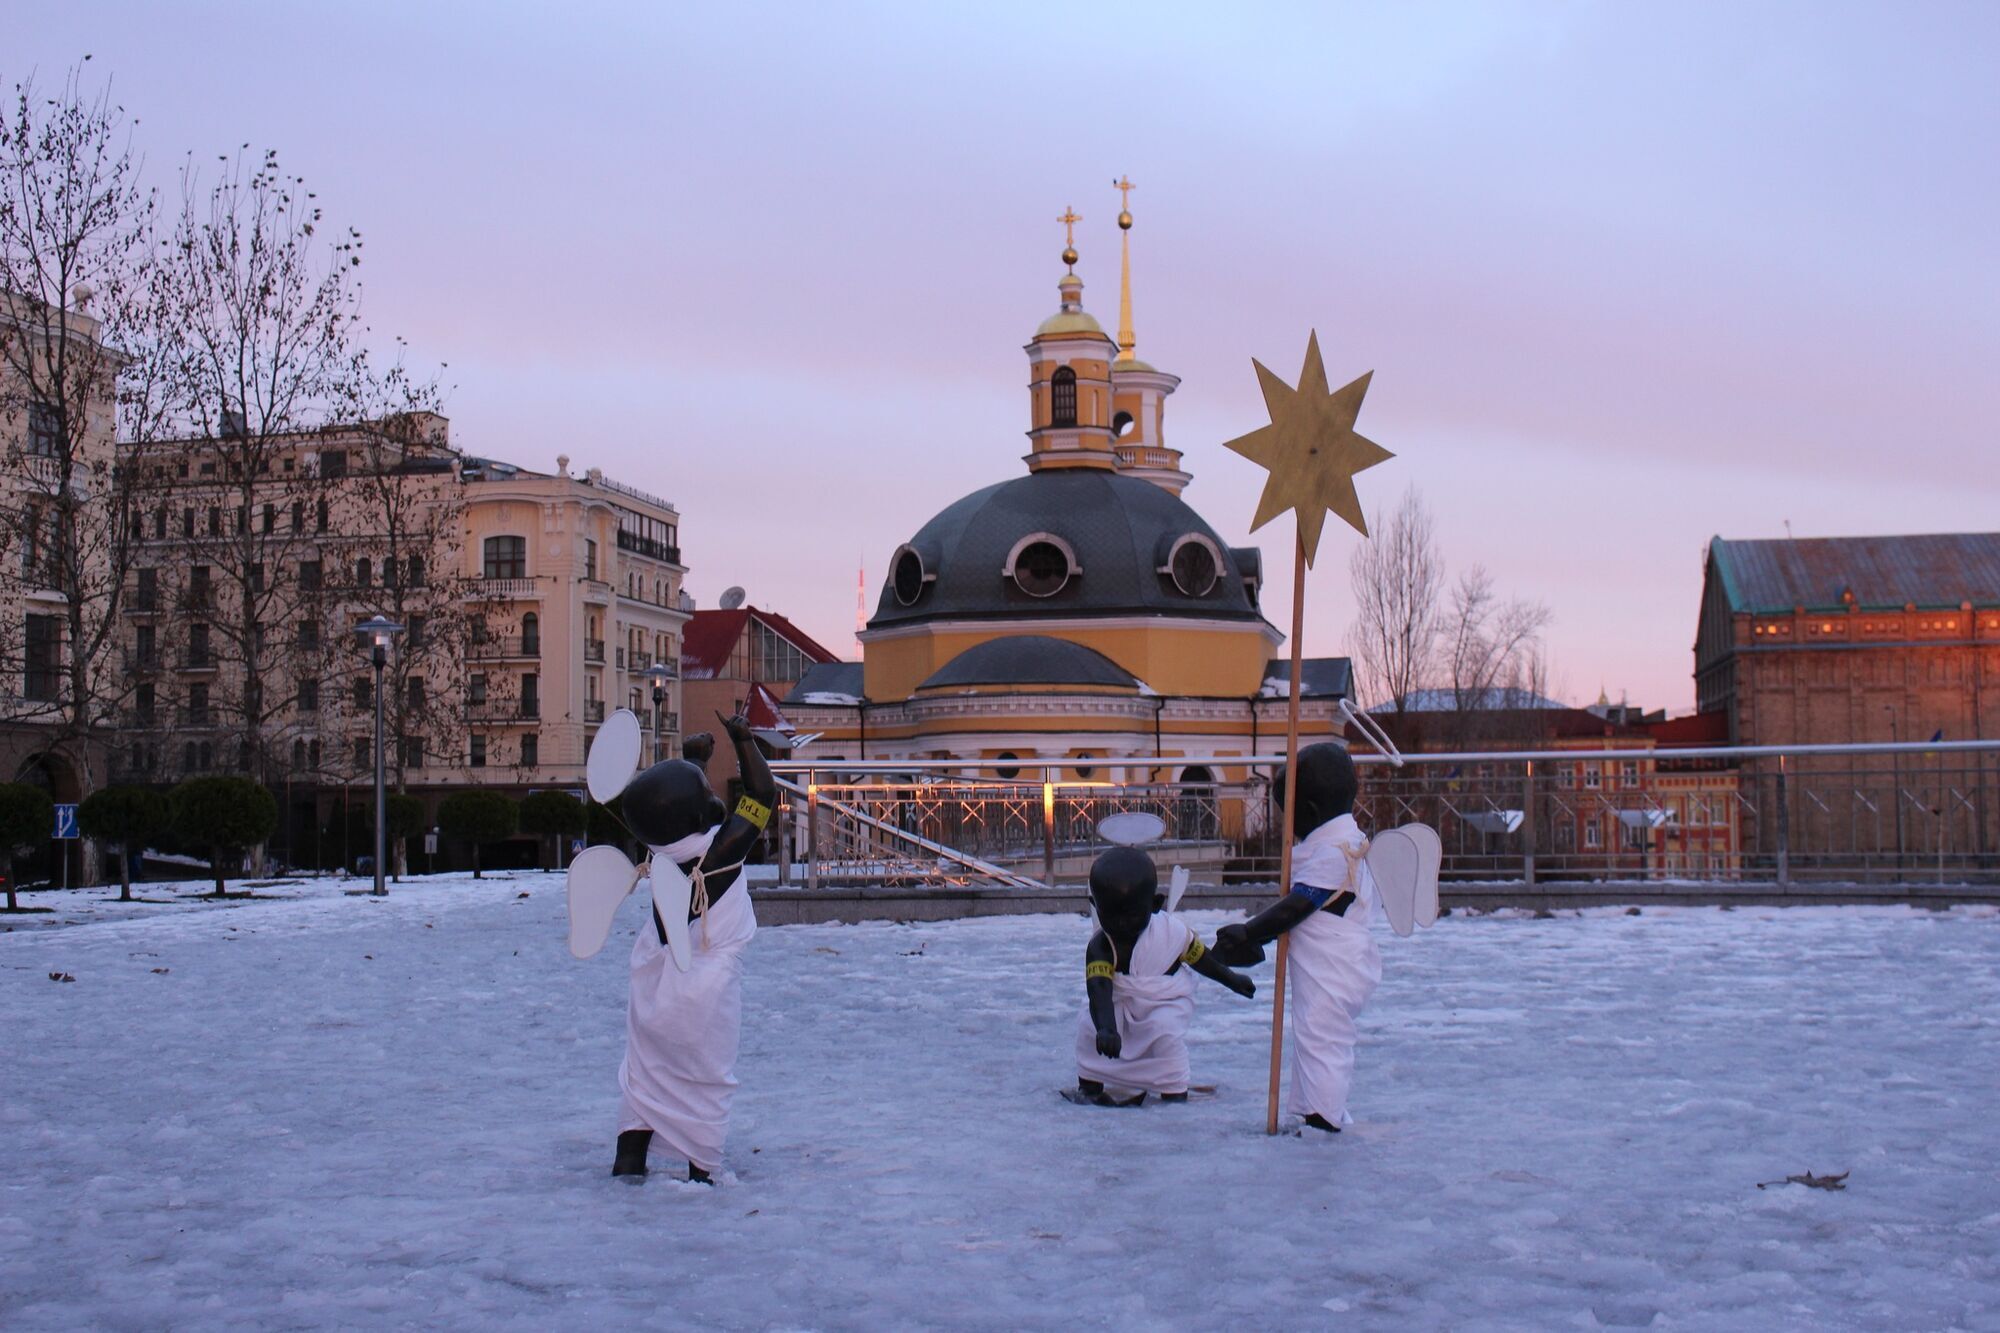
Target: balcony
x,y
593,650
192,715
504,710
648,546
504,648
136,662
142,604
198,661
492,589
593,710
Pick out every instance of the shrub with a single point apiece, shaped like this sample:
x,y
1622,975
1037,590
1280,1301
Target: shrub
x,y
127,816
222,813
553,815
27,816
477,816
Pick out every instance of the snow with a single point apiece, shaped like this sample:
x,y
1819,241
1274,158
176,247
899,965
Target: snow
x,y
833,697
328,1111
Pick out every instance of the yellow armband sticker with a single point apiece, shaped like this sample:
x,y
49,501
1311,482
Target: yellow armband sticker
x,y
1195,950
754,810
1092,971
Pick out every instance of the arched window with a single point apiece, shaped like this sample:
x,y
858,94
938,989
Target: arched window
x,y
531,635
416,571
1062,397
363,572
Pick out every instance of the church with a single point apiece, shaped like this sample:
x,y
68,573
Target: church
x,y
1079,611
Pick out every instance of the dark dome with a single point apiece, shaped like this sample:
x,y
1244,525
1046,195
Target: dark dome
x,y
1119,531
1029,659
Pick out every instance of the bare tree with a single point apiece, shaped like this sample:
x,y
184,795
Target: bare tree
x,y
1491,651
75,240
258,346
1397,577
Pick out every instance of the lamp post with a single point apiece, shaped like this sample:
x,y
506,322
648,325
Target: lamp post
x,y
376,631
659,676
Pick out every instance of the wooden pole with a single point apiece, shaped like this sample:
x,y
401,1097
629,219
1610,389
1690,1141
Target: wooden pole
x,y
1285,827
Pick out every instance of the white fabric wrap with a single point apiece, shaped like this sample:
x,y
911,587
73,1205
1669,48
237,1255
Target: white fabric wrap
x,y
1153,1011
1334,968
681,1033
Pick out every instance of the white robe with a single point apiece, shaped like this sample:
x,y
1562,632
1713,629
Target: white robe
x,y
681,1032
1153,1012
1334,968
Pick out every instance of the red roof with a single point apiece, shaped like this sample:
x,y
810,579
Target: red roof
x,y
1694,729
711,636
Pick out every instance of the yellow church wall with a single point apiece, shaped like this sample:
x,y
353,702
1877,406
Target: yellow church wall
x,y
1172,658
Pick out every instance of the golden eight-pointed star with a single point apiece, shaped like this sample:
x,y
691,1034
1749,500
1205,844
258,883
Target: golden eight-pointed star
x,y
1311,449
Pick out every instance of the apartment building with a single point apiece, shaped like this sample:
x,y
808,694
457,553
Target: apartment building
x,y
530,601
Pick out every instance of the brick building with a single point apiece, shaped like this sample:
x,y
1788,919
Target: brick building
x,y
1854,640
1848,639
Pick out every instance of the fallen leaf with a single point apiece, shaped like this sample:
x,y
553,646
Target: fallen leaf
x,y
61,976
1810,1180
161,971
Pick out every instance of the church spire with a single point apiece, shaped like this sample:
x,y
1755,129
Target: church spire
x,y
1127,341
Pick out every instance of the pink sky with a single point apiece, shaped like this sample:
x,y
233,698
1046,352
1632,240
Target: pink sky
x,y
1627,276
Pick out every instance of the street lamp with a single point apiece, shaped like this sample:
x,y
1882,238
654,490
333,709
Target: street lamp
x,y
659,676
376,631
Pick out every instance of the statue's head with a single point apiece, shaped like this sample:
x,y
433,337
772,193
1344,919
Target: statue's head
x,y
698,749
669,801
1327,787
1124,888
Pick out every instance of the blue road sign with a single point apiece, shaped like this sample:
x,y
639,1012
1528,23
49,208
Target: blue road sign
x,y
66,821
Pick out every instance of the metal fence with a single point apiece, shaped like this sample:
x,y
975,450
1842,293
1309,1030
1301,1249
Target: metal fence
x,y
1869,814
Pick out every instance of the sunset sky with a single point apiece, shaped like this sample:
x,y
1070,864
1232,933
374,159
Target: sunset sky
x,y
1628,275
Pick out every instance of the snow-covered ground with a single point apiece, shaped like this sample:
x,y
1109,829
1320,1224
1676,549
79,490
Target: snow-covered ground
x,y
336,1111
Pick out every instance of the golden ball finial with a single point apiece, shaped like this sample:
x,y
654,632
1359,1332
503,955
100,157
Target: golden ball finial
x,y
1069,255
1124,221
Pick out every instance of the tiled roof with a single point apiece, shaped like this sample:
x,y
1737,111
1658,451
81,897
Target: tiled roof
x,y
1883,573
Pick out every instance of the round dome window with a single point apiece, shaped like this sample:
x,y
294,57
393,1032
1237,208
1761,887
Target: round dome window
x,y
1194,566
1042,565
908,577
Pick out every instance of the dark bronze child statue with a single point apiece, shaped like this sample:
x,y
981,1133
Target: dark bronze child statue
x,y
686,1008
1139,992
1334,964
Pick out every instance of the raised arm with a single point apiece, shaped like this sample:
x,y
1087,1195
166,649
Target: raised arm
x,y
1098,967
741,828
1204,961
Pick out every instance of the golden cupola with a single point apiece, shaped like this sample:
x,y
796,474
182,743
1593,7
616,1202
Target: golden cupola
x,y
1069,378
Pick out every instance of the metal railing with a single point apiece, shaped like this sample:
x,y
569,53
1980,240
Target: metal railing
x,y
593,650
593,710
1911,813
503,646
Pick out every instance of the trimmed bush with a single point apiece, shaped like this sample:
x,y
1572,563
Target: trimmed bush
x,y
553,815
27,816
222,814
128,816
477,816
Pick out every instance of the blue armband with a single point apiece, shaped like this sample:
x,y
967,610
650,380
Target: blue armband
x,y
1316,896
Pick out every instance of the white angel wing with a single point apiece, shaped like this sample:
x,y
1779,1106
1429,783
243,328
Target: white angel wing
x,y
1432,848
1176,886
1405,863
672,892
1396,862
614,756
599,879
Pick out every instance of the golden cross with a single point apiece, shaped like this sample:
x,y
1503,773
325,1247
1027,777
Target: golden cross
x,y
1124,186
1070,217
